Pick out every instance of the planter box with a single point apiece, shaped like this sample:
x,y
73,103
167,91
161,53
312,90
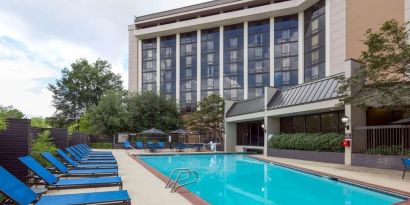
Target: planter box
x,y
377,161
327,157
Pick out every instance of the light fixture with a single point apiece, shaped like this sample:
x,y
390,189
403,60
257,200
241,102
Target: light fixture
x,y
345,119
263,126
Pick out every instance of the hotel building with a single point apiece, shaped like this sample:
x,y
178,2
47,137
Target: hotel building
x,y
274,61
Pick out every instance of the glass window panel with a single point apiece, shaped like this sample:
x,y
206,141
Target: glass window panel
x,y
298,124
315,41
188,61
233,42
210,45
285,63
313,123
210,58
329,122
233,68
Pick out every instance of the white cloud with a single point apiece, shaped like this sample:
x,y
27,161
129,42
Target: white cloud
x,y
39,38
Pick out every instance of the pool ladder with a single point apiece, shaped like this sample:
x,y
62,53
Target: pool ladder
x,y
181,181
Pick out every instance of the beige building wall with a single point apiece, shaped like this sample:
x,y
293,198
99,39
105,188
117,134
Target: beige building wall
x,y
365,14
337,36
132,60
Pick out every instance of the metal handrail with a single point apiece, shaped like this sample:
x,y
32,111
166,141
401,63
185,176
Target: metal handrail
x,y
175,184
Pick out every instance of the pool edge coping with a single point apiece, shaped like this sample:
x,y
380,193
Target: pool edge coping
x,y
365,185
184,192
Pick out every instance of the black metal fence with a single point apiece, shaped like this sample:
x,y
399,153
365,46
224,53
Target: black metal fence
x,y
382,140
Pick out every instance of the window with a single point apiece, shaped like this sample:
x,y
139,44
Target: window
x,y
233,42
168,75
234,55
315,41
258,52
188,49
210,58
285,63
315,72
313,123
315,56
168,52
285,49
286,78
298,124
233,68
234,94
285,35
315,25
258,66
188,85
210,83
188,73
210,71
149,65
188,61
258,39
233,82
259,79
210,45
149,54
168,63
168,86
188,98
258,91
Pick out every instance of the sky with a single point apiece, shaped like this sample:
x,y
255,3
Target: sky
x,y
38,38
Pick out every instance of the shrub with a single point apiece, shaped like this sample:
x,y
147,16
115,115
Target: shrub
x,y
329,142
101,145
388,150
42,144
2,124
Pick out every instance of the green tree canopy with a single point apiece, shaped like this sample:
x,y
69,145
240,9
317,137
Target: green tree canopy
x,y
10,112
384,78
82,86
148,110
39,122
2,124
108,117
210,116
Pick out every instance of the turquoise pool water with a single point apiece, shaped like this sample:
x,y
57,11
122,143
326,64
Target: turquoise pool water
x,y
230,179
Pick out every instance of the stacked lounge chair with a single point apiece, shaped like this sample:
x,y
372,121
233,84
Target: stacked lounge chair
x,y
51,178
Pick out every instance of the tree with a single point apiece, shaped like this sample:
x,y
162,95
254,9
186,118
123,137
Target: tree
x,y
3,124
39,122
383,81
209,117
57,120
148,110
42,144
10,112
83,126
108,117
82,86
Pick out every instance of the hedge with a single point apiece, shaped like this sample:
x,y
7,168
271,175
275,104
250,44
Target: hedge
x,y
329,142
388,150
101,145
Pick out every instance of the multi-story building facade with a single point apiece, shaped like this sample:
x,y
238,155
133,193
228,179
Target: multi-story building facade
x,y
252,51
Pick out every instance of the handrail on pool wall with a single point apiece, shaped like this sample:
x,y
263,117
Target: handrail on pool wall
x,y
178,179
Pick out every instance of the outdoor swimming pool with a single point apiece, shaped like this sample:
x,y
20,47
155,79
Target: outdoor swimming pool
x,y
237,179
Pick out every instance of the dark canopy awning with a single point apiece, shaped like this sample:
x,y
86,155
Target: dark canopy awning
x,y
153,131
179,131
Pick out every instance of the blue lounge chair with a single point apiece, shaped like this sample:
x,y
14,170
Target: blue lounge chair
x,y
139,145
126,145
21,194
53,182
180,147
90,161
85,156
161,145
76,165
76,172
406,163
152,146
82,151
90,150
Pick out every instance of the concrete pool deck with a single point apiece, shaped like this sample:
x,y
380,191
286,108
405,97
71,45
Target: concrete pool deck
x,y
147,189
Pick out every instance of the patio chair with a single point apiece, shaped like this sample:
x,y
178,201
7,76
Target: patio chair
x,y
88,153
126,145
90,161
152,146
406,164
85,156
161,145
77,172
139,145
76,165
180,147
53,182
15,190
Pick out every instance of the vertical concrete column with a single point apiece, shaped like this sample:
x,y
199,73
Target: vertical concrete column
x,y
139,67
230,136
327,36
221,61
272,127
158,65
132,60
356,115
198,65
301,47
178,67
272,52
245,60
